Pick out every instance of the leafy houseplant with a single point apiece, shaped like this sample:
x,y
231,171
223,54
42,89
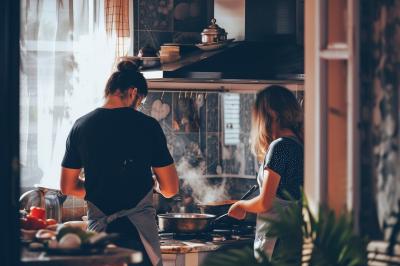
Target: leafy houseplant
x,y
305,239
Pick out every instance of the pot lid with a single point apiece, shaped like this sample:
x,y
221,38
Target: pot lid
x,y
213,29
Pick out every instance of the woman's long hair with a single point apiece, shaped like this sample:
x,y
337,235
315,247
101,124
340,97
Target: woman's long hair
x,y
274,106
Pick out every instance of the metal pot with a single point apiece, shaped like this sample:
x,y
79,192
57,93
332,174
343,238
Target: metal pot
x,y
50,199
213,33
185,222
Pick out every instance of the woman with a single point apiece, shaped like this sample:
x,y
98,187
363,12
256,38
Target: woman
x,y
277,141
118,148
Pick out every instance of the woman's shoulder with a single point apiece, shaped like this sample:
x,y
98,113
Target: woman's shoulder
x,y
285,143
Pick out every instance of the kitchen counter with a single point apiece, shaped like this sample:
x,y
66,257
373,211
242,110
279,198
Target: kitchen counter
x,y
114,256
193,252
172,246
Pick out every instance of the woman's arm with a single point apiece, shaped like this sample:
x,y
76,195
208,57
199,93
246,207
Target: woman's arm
x,y
70,183
262,202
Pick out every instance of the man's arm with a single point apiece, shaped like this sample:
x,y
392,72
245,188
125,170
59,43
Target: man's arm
x,y
70,183
167,178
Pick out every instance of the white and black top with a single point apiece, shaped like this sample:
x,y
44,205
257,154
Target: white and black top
x,y
285,156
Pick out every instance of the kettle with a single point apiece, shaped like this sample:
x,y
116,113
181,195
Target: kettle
x,y
49,199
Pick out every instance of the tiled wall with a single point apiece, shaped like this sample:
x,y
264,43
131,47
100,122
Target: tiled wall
x,y
73,209
164,21
193,127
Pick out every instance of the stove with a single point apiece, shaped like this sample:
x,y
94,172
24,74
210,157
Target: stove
x,y
192,249
216,239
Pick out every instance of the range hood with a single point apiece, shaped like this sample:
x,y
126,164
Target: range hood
x,y
267,46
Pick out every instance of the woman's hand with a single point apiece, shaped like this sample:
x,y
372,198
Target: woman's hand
x,y
236,211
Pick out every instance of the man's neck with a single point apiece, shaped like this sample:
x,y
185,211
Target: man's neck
x,y
113,101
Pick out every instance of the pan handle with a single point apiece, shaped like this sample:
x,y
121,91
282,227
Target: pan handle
x,y
245,196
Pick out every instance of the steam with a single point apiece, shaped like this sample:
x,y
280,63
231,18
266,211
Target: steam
x,y
193,178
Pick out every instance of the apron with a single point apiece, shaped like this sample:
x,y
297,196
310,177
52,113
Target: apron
x,y
142,217
262,242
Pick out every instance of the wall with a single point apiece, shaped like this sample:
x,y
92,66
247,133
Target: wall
x,y
164,21
194,131
380,57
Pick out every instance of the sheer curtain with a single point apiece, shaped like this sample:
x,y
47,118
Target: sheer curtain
x,y
66,58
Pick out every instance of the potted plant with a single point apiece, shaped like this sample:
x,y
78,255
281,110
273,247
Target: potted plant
x,y
315,240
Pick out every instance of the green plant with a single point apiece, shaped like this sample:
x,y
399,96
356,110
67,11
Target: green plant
x,y
306,239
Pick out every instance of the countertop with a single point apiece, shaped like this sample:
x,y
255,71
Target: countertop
x,y
112,255
172,246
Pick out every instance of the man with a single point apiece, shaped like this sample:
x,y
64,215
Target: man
x,y
118,148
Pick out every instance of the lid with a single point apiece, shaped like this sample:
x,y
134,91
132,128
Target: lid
x,y
214,29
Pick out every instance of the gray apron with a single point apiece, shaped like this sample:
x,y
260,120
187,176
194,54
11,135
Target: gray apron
x,y
142,217
262,242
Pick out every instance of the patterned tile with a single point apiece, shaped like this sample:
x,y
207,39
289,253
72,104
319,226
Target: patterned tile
x,y
212,154
197,138
213,109
190,15
186,117
151,38
232,159
246,105
187,146
161,110
155,15
186,37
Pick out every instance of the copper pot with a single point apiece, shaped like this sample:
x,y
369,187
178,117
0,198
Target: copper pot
x,y
213,34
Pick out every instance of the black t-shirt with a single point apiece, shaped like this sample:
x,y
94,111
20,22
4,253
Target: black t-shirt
x,y
285,156
116,148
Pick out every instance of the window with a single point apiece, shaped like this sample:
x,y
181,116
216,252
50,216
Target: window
x,y
66,57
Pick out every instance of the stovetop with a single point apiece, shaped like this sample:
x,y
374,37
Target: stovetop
x,y
206,241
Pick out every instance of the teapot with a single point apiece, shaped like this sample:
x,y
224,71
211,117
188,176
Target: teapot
x,y
213,34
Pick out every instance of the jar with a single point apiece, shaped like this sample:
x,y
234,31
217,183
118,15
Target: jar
x,y
213,33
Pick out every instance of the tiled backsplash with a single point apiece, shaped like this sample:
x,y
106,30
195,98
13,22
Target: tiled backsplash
x,y
192,123
164,21
73,209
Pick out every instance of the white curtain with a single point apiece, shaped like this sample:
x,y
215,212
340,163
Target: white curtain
x,y
66,58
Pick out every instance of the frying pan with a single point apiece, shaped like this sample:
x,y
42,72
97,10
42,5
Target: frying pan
x,y
191,222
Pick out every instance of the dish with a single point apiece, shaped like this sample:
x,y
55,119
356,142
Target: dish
x,y
213,46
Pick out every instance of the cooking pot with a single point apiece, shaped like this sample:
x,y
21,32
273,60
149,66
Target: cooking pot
x,y
185,222
213,34
195,222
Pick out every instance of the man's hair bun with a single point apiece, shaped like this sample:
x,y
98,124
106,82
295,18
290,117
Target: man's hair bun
x,y
128,65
